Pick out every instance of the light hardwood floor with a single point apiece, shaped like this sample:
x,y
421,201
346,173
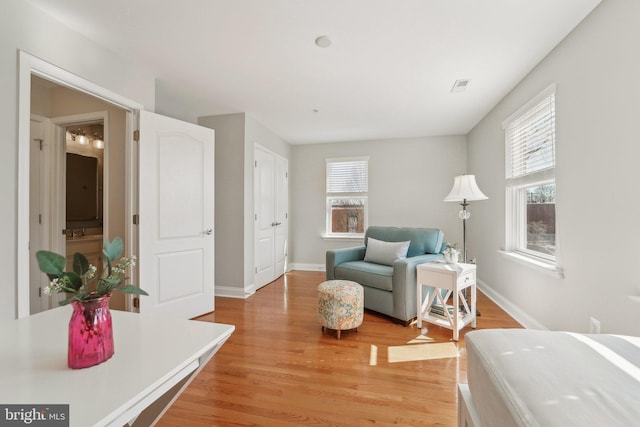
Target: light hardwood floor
x,y
278,369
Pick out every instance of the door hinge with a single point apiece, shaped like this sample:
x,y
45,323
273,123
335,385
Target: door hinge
x,y
136,302
135,219
286,174
255,216
136,135
256,163
39,292
39,141
256,270
286,215
39,218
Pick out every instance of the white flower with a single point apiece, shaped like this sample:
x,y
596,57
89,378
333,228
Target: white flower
x,y
54,286
91,272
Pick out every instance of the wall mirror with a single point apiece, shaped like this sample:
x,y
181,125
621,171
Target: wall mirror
x,y
84,176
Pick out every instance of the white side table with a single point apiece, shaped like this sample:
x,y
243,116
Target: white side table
x,y
452,279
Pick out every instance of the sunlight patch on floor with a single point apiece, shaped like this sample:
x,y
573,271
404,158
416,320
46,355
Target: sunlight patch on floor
x,y
373,355
408,353
421,339
421,347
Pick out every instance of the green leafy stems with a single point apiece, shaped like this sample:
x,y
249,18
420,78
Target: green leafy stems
x,y
79,282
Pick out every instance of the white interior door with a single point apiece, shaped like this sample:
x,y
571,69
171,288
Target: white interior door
x,y
281,214
264,199
271,216
176,216
37,213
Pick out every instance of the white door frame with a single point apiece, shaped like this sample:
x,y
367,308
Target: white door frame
x,y
31,65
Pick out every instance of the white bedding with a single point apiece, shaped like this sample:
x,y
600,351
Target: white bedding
x,y
542,378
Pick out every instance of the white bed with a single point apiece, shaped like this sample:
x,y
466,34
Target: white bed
x,y
519,377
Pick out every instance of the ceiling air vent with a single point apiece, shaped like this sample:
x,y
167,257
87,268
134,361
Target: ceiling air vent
x,y
460,85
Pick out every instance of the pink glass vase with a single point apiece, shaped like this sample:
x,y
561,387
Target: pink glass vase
x,y
90,333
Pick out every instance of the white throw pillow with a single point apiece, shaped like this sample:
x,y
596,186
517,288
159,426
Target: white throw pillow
x,y
385,253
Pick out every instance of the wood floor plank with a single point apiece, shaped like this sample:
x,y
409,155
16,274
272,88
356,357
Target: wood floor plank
x,y
279,369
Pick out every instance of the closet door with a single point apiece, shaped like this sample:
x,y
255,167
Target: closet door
x,y
264,202
271,198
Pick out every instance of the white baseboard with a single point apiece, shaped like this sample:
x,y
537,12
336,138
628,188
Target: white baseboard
x,y
307,267
233,292
512,310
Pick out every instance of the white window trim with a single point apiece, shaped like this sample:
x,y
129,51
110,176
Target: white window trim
x,y
349,238
328,235
513,251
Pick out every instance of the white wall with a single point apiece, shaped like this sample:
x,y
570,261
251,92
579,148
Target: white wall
x,y
26,28
236,135
229,198
596,69
408,180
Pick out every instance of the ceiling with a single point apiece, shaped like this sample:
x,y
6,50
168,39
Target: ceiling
x,y
387,74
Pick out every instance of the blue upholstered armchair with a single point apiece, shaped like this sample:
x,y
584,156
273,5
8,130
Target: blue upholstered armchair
x,y
389,281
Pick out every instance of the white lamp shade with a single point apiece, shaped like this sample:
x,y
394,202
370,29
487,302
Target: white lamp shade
x,y
465,188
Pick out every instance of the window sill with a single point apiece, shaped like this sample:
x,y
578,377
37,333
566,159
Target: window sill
x,y
534,263
346,238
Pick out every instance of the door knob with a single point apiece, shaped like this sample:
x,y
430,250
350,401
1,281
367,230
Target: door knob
x,y
209,231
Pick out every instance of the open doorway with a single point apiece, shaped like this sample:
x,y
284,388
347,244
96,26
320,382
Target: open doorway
x,y
171,146
78,195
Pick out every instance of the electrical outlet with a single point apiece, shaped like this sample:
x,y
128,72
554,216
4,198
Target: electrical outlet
x,y
594,325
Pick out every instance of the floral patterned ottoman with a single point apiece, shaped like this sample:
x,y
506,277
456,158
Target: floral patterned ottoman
x,y
340,305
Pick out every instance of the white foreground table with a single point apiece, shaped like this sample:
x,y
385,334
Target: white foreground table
x,y
155,359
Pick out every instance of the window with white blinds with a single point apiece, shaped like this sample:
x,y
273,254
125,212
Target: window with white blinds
x,y
531,138
347,193
347,176
530,147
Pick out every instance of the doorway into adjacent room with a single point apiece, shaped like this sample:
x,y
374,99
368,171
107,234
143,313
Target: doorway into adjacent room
x,y
77,187
68,102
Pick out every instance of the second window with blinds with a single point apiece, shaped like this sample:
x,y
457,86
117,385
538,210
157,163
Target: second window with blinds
x,y
530,179
347,194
